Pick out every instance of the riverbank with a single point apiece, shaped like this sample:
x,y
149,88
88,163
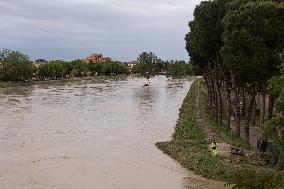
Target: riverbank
x,y
190,146
78,79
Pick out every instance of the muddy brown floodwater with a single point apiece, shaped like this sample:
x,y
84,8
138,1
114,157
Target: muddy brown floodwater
x,y
96,134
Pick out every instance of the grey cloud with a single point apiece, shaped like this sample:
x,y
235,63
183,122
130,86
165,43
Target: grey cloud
x,y
64,29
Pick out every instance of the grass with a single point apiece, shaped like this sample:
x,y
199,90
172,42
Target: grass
x,y
189,147
189,144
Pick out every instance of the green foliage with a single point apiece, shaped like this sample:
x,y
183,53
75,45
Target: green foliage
x,y
14,66
112,68
139,68
251,179
172,68
253,37
275,84
204,40
148,61
79,68
56,69
179,69
274,130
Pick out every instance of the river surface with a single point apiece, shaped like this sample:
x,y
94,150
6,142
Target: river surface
x,y
97,134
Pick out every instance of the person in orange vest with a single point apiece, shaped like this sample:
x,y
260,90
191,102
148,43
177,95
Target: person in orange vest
x,y
214,148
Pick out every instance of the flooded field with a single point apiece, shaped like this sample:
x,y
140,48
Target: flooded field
x,y
96,134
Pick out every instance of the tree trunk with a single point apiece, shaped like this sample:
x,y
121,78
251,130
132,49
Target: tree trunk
x,y
262,113
229,106
236,107
243,110
220,106
214,98
208,90
270,107
248,117
253,113
280,163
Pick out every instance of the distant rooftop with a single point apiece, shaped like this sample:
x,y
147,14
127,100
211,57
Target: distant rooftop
x,y
40,60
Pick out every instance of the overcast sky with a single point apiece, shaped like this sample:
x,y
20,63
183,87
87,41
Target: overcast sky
x,y
70,29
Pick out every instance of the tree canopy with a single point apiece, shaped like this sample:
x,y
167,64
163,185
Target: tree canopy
x,y
14,66
235,44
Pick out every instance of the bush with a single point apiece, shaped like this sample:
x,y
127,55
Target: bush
x,y
250,179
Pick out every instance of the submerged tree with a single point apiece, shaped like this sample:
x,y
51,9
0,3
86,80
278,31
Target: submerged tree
x,y
148,62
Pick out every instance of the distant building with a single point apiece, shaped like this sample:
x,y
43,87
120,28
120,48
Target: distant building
x,y
36,65
98,58
131,64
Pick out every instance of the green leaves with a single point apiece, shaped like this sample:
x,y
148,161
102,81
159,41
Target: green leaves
x,y
56,69
252,38
179,69
78,68
250,179
148,62
14,66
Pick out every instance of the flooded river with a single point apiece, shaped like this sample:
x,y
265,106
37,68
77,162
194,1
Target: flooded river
x,y
97,134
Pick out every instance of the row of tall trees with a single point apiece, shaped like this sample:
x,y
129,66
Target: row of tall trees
x,y
275,126
78,68
236,46
15,66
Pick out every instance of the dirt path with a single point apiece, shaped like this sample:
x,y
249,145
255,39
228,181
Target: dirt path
x,y
224,149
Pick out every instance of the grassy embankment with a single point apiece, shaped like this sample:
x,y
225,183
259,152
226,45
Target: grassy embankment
x,y
189,146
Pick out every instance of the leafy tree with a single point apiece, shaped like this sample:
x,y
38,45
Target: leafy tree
x,y
275,127
179,69
148,61
55,69
14,66
203,44
252,38
79,68
95,67
108,68
139,68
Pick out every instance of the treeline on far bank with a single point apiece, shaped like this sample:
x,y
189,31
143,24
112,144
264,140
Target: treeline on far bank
x,y
58,69
15,66
151,65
